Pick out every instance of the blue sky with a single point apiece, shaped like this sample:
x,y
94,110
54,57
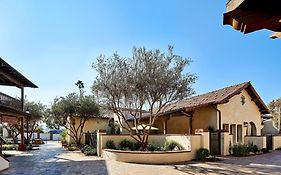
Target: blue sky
x,y
54,43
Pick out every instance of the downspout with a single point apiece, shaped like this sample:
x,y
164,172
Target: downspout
x,y
219,132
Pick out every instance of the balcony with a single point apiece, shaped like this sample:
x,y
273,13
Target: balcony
x,y
9,102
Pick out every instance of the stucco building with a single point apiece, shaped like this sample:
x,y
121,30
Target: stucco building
x,y
92,125
230,115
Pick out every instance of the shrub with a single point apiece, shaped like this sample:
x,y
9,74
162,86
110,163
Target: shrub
x,y
253,148
136,146
10,147
151,147
202,154
126,145
240,150
72,148
244,150
89,150
110,144
172,145
278,149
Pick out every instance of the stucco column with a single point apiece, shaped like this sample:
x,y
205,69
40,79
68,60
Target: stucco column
x,y
99,142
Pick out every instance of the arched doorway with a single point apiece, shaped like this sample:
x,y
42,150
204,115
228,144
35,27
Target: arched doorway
x,y
253,129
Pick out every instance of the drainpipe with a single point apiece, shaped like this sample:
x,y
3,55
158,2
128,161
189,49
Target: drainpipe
x,y
219,136
22,120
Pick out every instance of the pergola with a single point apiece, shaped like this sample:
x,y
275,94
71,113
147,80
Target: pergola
x,y
251,15
11,109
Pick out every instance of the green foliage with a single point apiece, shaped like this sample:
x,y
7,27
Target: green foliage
x,y
39,130
89,150
152,147
240,150
252,148
10,147
72,148
63,135
244,150
275,106
114,127
150,78
127,145
137,146
110,144
172,145
202,154
72,112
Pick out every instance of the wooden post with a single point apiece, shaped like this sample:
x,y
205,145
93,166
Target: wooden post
x,y
165,126
190,126
21,146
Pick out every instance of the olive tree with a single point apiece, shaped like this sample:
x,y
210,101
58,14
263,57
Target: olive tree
x,y
149,80
36,113
72,112
275,109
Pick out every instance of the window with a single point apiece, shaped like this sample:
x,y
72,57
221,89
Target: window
x,y
225,127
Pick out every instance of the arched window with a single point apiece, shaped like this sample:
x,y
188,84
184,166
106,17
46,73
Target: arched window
x,y
253,129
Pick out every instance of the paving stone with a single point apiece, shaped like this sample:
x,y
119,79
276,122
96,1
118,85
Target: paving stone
x,y
52,159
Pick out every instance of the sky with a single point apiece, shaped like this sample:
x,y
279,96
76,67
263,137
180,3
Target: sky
x,y
54,43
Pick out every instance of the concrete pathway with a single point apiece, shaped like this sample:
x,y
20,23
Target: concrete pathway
x,y
51,159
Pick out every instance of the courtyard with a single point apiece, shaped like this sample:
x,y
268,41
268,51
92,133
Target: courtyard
x,y
52,159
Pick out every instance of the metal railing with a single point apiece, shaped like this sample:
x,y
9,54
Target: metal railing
x,y
10,102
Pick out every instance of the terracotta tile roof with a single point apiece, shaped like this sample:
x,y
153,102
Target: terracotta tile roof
x,y
213,98
217,97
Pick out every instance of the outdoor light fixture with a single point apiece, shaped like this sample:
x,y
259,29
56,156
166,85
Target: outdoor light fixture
x,y
27,110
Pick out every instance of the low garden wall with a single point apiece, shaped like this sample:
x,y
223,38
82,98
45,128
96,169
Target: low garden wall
x,y
226,143
157,157
190,143
276,142
260,141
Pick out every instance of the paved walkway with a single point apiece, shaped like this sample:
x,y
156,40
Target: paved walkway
x,y
51,159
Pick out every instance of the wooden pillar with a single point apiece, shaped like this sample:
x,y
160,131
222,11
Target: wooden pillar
x,y
22,120
165,125
190,126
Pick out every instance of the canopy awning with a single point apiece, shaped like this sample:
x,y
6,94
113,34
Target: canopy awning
x,y
144,127
11,77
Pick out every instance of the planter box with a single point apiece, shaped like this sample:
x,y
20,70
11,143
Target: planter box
x,y
156,157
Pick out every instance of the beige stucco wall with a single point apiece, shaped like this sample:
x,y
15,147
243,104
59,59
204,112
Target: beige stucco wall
x,y
259,141
175,125
226,140
91,125
4,164
192,143
276,142
158,140
203,118
233,112
147,157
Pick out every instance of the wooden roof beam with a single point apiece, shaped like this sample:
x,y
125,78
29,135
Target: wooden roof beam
x,y
12,79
